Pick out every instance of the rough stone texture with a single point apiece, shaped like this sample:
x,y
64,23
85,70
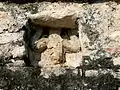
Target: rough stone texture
x,y
72,45
5,20
73,59
116,61
11,37
57,15
53,54
12,46
42,44
91,73
57,53
49,47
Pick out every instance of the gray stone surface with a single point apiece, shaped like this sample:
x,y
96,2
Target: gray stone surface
x,y
21,44
12,20
56,15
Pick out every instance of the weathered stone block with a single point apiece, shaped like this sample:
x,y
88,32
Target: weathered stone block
x,y
56,15
91,73
116,61
73,59
42,44
72,45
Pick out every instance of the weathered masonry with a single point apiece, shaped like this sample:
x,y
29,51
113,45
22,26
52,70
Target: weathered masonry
x,y
57,39
60,46
62,34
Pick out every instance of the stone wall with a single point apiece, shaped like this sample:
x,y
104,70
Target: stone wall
x,y
59,46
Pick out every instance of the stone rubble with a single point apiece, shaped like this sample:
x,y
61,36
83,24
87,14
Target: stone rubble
x,y
95,31
45,37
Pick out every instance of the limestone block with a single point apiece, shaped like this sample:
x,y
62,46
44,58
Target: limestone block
x,y
73,59
74,40
116,61
53,53
72,45
42,44
51,21
57,15
6,21
46,59
54,40
114,35
11,37
90,73
18,51
51,57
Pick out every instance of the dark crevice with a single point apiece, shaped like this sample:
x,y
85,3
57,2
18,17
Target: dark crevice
x,y
26,40
29,38
27,61
45,32
64,33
